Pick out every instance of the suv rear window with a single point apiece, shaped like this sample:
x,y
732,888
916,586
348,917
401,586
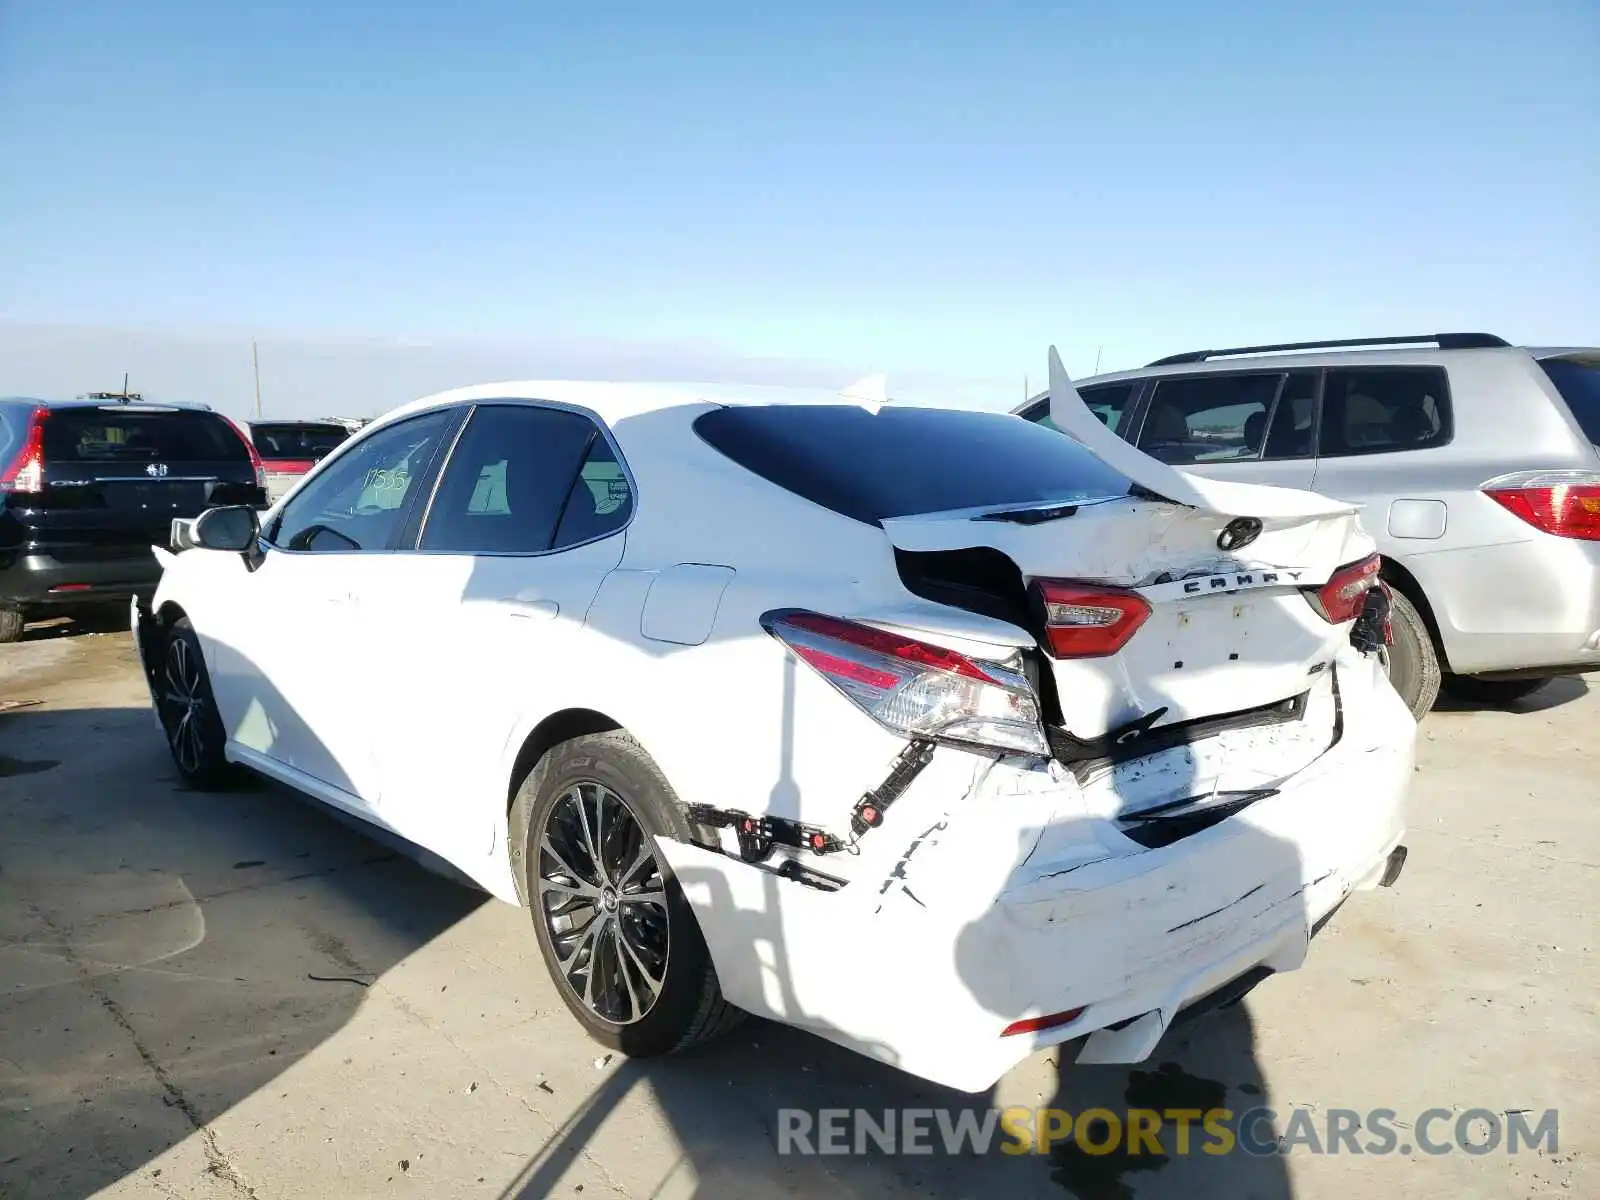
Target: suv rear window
x,y
1578,381
899,461
140,435
296,441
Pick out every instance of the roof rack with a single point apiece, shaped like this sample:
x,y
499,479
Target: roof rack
x,y
1445,341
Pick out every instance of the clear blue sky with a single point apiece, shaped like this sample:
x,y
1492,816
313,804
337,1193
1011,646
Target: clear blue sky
x,y
931,186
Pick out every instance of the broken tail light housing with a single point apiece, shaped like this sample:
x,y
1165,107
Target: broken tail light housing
x,y
1085,620
1564,503
25,471
916,689
1344,596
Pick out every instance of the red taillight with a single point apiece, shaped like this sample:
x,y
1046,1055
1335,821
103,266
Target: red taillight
x,y
916,689
1342,597
256,464
1564,503
1040,1024
1085,620
25,472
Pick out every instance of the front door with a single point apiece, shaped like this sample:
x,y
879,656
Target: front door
x,y
310,643
479,623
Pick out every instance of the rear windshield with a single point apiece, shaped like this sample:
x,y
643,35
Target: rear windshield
x,y
1578,381
899,461
293,441
113,434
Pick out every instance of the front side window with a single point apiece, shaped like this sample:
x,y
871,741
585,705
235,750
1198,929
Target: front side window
x,y
1108,401
524,480
1294,422
1375,410
358,501
1209,418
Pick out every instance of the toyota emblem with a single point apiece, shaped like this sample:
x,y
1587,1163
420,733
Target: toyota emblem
x,y
1238,533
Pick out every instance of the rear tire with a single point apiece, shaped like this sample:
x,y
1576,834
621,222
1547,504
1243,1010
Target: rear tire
x,y
188,711
1412,662
11,625
617,935
1493,693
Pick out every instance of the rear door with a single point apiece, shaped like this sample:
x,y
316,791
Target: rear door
x,y
115,475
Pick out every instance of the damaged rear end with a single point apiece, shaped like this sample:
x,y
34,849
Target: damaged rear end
x,y
1148,749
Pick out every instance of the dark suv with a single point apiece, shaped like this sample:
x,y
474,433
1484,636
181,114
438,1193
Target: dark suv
x,y
87,487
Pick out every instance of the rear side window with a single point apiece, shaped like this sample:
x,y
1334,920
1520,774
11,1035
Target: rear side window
x,y
1209,418
1578,381
1108,401
1378,410
140,436
898,461
518,475
293,442
10,433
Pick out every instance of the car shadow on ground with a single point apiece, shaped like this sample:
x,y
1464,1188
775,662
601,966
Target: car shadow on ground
x,y
165,953
1563,690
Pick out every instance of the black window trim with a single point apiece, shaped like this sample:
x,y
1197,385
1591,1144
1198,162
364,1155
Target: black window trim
x,y
1447,416
414,536
267,539
1152,386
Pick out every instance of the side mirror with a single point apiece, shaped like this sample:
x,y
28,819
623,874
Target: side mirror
x,y
234,528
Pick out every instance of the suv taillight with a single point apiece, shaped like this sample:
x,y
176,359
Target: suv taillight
x,y
1565,503
256,465
916,689
1343,597
25,472
1087,620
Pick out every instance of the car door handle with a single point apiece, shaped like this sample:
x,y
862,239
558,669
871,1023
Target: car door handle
x,y
533,610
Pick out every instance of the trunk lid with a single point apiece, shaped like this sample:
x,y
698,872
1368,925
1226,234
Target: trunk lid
x,y
1228,630
1221,564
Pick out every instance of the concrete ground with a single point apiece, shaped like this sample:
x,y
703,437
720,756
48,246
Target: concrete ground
x,y
226,996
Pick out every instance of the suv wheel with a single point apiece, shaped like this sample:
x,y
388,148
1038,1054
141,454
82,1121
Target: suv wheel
x,y
11,624
1492,692
614,929
1412,663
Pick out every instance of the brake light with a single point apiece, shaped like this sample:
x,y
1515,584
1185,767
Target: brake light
x,y
1084,620
1342,598
913,688
1565,503
25,472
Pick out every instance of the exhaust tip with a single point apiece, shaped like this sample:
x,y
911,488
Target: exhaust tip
x,y
1392,869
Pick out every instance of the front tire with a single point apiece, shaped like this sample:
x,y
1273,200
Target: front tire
x,y
1493,693
188,711
617,935
11,625
1412,662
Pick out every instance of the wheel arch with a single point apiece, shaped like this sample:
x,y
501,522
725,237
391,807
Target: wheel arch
x,y
1397,576
554,729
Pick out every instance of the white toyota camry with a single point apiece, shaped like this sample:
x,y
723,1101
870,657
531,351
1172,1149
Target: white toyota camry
x,y
934,732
